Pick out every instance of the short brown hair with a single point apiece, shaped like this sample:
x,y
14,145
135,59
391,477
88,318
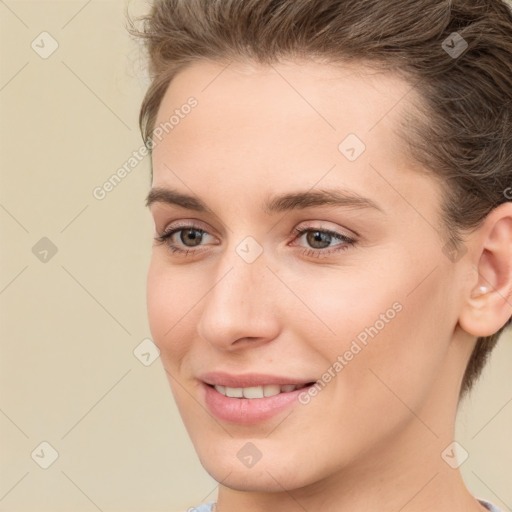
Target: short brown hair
x,y
463,134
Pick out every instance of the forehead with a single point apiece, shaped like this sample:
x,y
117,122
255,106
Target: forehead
x,y
307,89
259,126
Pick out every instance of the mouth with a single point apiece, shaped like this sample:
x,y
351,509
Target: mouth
x,y
255,392
254,404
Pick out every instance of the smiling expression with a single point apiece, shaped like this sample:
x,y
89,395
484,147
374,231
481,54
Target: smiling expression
x,y
290,220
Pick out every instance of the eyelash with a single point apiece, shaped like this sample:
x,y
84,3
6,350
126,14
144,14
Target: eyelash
x,y
348,242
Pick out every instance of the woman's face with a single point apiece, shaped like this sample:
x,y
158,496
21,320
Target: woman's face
x,y
366,302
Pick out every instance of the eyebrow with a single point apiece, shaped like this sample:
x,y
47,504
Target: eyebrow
x,y
281,203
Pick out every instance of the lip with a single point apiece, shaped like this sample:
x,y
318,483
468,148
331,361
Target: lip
x,y
248,411
249,379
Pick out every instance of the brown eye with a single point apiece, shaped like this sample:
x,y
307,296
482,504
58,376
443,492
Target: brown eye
x,y
194,236
189,237
318,239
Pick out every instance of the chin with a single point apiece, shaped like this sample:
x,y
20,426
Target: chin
x,y
268,474
250,480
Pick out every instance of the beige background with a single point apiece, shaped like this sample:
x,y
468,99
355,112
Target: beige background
x,y
70,324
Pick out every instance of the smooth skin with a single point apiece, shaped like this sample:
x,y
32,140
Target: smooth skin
x,y
372,439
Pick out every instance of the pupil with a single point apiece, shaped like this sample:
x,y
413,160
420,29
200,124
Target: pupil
x,y
315,237
193,235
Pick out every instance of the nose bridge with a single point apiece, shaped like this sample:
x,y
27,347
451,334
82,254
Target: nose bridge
x,y
238,305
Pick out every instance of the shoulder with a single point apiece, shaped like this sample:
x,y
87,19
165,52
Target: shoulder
x,y
207,507
489,506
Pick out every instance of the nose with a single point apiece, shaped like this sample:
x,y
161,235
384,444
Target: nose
x,y
241,305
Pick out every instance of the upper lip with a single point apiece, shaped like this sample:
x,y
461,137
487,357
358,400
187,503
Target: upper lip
x,y
249,379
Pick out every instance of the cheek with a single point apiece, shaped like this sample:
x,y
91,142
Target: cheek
x,y
403,338
348,302
381,321
158,302
167,303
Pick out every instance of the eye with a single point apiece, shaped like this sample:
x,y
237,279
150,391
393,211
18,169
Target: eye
x,y
190,237
320,240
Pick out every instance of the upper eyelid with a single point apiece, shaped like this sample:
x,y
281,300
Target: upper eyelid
x,y
348,233
176,229
191,224
197,223
159,211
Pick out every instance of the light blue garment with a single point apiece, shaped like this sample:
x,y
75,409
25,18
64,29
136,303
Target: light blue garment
x,y
486,504
207,507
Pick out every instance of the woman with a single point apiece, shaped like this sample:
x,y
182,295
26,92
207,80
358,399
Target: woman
x,y
333,240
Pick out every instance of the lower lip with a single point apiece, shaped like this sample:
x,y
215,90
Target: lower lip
x,y
247,411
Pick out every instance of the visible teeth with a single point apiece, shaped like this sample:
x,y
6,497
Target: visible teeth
x,y
234,392
257,391
254,392
271,390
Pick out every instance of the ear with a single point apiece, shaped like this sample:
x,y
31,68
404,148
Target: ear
x,y
488,305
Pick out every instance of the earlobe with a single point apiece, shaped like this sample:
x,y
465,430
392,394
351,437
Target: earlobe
x,y
488,306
